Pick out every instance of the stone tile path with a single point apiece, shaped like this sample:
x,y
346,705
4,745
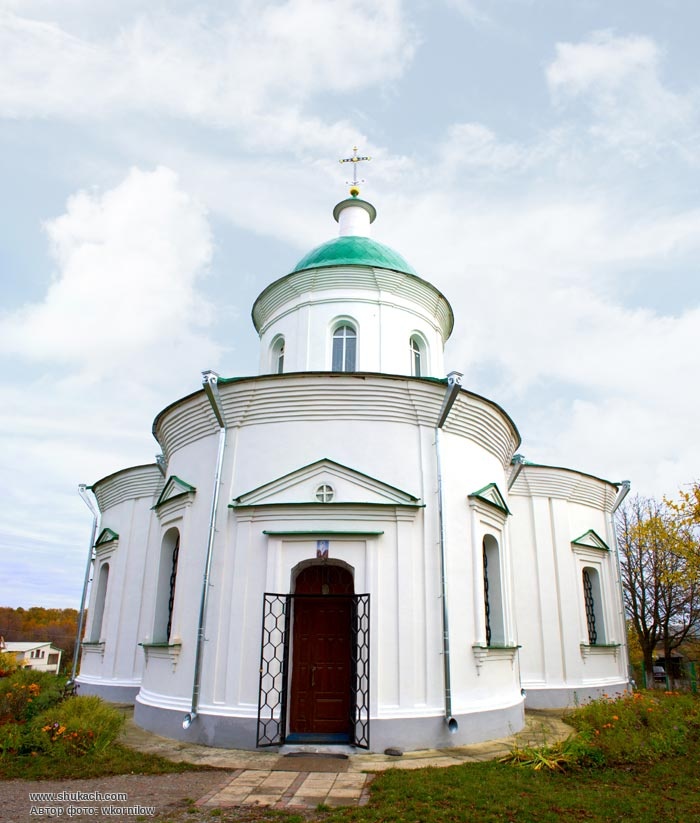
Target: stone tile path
x,y
284,790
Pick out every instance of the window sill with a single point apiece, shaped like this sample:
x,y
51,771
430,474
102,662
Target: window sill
x,y
598,649
484,653
93,647
162,651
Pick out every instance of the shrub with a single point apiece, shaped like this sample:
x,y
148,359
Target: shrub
x,y
11,735
8,664
574,752
642,726
26,693
75,727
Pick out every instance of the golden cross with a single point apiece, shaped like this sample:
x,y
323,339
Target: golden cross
x,y
354,160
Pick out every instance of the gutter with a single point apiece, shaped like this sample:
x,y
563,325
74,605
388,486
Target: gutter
x,y
454,384
210,381
82,491
623,491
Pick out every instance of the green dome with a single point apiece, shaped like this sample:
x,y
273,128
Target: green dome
x,y
352,250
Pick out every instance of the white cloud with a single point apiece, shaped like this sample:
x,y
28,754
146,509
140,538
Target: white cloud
x,y
473,146
252,70
619,78
128,265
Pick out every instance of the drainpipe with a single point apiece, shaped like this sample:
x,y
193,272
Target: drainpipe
x,y
82,491
211,388
518,462
621,494
454,383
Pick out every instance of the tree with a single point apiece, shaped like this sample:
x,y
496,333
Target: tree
x,y
658,558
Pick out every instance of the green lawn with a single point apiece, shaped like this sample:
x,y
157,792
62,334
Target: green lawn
x,y
664,792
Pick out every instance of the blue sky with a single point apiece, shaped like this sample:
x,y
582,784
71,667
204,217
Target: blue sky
x,y
537,160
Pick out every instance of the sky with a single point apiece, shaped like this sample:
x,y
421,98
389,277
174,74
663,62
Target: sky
x,y
162,162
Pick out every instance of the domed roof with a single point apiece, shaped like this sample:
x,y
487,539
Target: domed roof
x,y
352,250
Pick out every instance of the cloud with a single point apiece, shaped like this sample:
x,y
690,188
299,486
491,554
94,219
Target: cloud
x,y
252,70
618,78
129,262
473,146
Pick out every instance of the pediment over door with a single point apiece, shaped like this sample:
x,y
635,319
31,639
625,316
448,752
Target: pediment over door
x,y
325,482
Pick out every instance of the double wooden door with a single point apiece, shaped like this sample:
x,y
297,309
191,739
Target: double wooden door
x,y
322,637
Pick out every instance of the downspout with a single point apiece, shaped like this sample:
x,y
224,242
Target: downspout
x,y
211,388
82,491
622,493
518,462
454,383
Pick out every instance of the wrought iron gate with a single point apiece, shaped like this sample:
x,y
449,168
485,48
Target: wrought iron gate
x,y
274,668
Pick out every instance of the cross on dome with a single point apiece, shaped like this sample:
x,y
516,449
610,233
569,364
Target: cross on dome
x,y
354,189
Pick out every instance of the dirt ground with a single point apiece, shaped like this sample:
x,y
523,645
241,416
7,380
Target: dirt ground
x,y
148,797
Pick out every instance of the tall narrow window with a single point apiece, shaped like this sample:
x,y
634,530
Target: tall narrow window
x,y
344,349
100,599
167,580
592,601
278,356
173,578
416,358
493,594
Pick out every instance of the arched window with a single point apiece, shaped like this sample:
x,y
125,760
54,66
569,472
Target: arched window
x,y
593,603
493,593
278,356
344,349
418,364
165,592
100,600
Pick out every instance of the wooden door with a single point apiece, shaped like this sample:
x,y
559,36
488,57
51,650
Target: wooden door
x,y
321,652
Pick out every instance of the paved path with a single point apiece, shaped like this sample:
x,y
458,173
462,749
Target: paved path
x,y
258,778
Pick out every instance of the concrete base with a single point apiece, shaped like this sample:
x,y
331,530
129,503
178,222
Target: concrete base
x,y
409,734
568,698
110,693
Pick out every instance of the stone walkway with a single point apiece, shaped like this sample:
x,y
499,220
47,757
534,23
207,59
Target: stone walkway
x,y
282,790
258,778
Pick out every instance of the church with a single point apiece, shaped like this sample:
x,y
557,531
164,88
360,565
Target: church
x,y
347,549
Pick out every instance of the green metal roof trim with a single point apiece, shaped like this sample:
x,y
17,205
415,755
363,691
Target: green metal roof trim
x,y
595,541
321,533
332,505
495,499
106,536
177,485
354,251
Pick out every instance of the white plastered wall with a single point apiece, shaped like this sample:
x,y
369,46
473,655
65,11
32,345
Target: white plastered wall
x,y
384,325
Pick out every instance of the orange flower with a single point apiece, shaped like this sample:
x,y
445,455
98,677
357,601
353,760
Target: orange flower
x,y
615,717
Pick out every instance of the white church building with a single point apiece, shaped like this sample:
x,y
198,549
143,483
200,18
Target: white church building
x,y
346,548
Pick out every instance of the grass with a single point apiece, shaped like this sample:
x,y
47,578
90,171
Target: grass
x,y
116,759
634,760
664,792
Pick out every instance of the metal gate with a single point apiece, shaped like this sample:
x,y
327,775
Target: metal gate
x,y
274,668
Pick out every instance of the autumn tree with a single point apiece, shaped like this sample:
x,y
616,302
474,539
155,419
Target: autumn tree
x,y
658,558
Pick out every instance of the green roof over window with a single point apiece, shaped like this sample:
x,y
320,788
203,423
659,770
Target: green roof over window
x,y
353,250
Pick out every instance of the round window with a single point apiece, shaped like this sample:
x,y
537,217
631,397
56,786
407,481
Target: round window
x,y
324,493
